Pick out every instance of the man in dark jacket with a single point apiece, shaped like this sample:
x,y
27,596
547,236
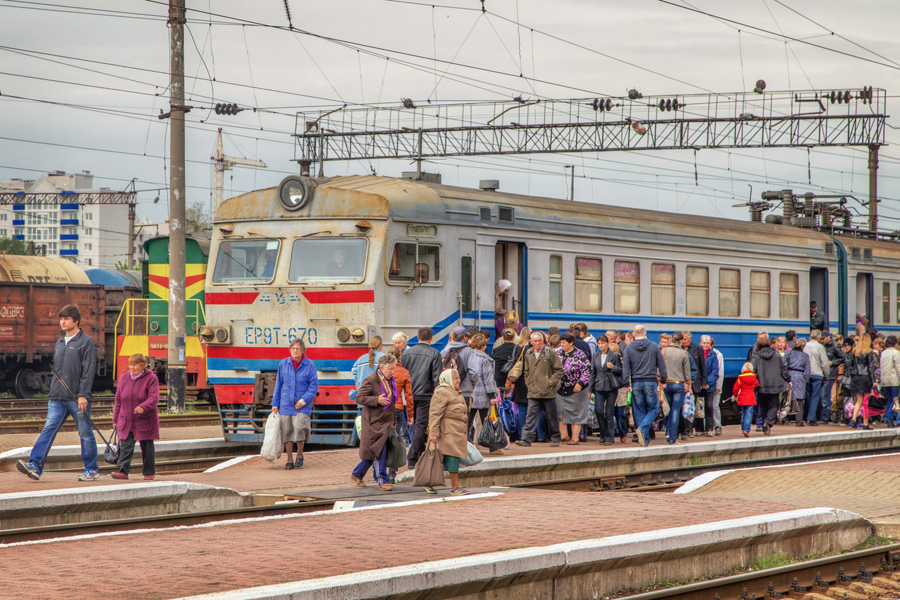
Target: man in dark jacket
x,y
836,359
74,361
641,361
816,319
772,373
424,365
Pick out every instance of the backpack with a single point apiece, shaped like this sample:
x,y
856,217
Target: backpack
x,y
451,359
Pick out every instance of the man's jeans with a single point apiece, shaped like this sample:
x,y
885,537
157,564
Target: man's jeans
x,y
57,413
675,396
645,404
813,396
890,393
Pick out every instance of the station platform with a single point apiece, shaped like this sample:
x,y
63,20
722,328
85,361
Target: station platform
x,y
499,544
867,486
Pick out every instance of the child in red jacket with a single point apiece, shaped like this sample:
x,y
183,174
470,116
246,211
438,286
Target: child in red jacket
x,y
746,396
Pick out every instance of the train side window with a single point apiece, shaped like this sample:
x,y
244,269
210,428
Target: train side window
x,y
588,284
886,302
407,255
697,291
627,287
760,294
246,261
789,296
555,282
662,289
465,284
729,293
324,260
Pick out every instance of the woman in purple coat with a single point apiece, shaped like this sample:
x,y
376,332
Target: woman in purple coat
x,y
135,416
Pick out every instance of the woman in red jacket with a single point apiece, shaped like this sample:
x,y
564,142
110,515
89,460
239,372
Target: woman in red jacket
x,y
135,416
746,396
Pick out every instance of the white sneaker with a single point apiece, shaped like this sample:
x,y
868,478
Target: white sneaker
x,y
89,475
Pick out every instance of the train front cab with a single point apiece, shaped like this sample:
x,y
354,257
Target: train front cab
x,y
301,276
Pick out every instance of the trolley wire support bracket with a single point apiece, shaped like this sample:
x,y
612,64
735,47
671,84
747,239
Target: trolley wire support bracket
x,y
780,119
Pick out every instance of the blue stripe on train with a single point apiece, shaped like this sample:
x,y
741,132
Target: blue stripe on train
x,y
249,381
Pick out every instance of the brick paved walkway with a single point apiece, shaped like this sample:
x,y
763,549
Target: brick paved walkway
x,y
869,487
178,562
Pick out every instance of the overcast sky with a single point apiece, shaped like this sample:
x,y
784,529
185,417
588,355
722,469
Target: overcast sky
x,y
108,61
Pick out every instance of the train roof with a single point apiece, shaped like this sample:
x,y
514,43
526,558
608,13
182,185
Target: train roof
x,y
367,196
114,277
202,239
40,269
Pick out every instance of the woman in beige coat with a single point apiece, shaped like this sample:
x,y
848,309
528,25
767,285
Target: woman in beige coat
x,y
447,424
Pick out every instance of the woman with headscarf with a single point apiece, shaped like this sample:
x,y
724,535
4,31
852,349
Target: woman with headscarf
x,y
378,396
447,424
572,402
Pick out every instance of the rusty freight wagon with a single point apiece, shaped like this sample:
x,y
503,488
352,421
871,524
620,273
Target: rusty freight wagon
x,y
32,290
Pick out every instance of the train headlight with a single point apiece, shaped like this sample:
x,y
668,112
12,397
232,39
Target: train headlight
x,y
295,192
207,334
221,334
343,334
358,334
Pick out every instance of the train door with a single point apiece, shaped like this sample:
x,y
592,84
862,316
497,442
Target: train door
x,y
466,294
818,290
511,263
864,296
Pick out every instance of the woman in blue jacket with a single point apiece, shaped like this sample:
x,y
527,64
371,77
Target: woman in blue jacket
x,y
295,389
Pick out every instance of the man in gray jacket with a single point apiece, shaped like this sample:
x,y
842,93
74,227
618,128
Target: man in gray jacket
x,y
424,365
820,367
75,361
542,369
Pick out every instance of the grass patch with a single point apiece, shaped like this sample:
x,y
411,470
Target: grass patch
x,y
770,562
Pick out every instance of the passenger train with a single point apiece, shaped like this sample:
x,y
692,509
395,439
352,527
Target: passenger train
x,y
336,261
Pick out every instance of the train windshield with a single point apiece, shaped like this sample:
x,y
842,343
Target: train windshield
x,y
328,261
246,261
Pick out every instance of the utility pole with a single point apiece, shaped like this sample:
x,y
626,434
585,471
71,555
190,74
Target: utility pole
x,y
873,188
175,371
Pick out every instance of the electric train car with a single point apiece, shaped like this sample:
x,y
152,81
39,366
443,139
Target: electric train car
x,y
143,323
336,261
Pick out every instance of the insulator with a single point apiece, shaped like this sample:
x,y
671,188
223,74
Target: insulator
x,y
662,105
608,104
847,97
669,104
675,104
831,96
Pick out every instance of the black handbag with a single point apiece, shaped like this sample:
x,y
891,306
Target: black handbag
x,y
111,454
492,435
877,403
396,452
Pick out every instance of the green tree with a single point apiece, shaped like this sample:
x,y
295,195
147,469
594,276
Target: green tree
x,y
197,218
12,246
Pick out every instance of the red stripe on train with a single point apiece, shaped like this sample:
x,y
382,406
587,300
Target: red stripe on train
x,y
231,297
243,394
345,297
277,353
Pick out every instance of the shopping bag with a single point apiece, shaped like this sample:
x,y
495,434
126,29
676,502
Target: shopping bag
x,y
111,454
396,452
429,468
664,407
272,446
492,434
509,415
473,456
687,409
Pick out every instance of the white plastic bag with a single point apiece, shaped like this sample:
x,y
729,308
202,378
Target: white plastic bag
x,y
473,456
272,446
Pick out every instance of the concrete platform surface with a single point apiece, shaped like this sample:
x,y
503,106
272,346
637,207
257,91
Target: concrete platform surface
x,y
11,441
330,469
184,561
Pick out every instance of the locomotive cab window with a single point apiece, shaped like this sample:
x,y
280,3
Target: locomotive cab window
x,y
246,261
408,258
328,261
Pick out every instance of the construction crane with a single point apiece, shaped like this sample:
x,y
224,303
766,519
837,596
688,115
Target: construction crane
x,y
222,163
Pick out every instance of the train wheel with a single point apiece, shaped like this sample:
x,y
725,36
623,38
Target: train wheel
x,y
25,384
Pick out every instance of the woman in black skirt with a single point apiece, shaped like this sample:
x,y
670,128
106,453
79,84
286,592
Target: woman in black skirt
x,y
862,365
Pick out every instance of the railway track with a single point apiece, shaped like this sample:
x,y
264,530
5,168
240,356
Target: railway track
x,y
872,574
37,408
198,419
